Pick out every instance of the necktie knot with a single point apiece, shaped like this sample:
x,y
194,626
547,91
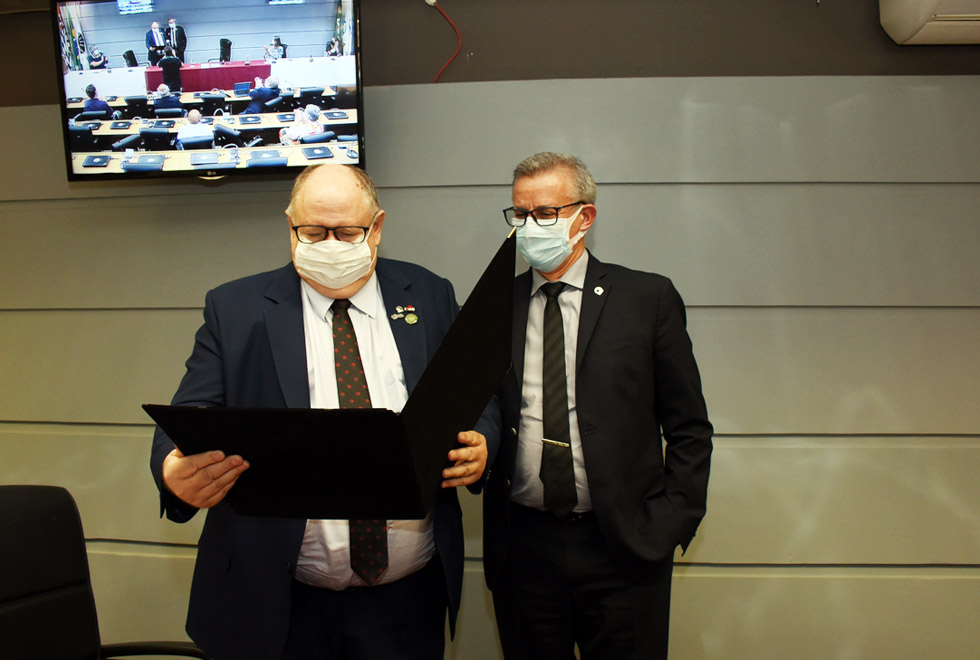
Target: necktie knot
x,y
552,289
340,304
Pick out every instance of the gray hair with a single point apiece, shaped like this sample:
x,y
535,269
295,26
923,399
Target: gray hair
x,y
548,161
312,112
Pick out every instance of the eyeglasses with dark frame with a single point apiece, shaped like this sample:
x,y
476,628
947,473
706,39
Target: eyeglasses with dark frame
x,y
316,233
544,216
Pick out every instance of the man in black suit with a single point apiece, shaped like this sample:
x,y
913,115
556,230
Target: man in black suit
x,y
176,38
270,588
261,93
583,507
155,43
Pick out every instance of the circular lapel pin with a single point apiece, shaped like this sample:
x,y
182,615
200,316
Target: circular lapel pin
x,y
599,290
411,319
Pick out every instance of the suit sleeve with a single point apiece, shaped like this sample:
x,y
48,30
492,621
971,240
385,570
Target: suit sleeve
x,y
202,385
683,416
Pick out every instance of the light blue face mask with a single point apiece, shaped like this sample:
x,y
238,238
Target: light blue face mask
x,y
545,248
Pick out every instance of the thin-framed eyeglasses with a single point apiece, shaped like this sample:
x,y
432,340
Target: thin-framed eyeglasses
x,y
544,216
316,233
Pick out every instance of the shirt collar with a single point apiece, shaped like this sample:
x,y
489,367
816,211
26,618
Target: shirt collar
x,y
574,276
367,299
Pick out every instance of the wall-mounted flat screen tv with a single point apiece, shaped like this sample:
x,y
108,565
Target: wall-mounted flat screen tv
x,y
158,88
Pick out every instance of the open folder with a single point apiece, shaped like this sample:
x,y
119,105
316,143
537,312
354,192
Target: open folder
x,y
367,463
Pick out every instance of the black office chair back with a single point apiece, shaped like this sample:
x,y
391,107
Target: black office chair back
x,y
211,103
169,113
308,95
136,106
47,609
156,139
92,114
203,142
325,136
130,58
81,139
46,605
224,50
224,135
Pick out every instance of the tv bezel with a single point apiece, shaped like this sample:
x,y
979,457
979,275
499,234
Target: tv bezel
x,y
267,172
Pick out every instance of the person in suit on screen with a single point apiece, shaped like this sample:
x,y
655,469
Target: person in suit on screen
x,y
583,507
261,93
155,40
269,588
176,38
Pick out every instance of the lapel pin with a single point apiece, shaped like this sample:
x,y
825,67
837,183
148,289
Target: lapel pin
x,y
599,290
411,319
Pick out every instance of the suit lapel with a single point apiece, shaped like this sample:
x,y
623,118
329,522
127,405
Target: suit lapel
x,y
409,337
522,300
593,298
284,323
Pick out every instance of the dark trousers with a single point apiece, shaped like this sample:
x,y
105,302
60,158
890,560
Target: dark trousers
x,y
560,588
404,620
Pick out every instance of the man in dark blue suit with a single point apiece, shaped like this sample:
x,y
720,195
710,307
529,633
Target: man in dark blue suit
x,y
270,588
262,93
602,467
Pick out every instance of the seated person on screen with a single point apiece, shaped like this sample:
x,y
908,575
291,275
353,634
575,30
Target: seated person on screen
x,y
164,99
170,67
93,103
194,128
307,122
333,48
274,51
96,59
263,92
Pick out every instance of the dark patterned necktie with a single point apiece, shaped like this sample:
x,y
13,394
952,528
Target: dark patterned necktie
x,y
557,473
368,538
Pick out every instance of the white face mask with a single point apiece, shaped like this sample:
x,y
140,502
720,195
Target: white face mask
x,y
545,248
334,264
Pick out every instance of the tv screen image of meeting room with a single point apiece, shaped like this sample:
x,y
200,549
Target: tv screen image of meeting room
x,y
157,88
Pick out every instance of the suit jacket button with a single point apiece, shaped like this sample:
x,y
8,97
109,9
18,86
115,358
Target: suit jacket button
x,y
513,432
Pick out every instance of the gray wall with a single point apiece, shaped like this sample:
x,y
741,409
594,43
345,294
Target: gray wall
x,y
823,230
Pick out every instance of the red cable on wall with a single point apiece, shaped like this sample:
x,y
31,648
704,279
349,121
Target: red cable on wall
x,y
459,38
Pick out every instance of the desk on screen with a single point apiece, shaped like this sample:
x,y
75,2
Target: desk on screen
x,y
180,160
210,75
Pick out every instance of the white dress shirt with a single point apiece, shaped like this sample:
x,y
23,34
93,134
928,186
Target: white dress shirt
x,y
526,486
324,558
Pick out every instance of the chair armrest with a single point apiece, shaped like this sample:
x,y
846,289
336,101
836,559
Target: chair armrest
x,y
178,649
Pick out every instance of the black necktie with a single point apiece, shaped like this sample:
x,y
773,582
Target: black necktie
x,y
557,473
368,538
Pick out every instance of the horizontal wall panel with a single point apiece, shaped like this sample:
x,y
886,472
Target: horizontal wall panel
x,y
811,128
92,366
107,471
868,500
785,500
871,614
128,252
730,244
141,592
746,129
839,371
